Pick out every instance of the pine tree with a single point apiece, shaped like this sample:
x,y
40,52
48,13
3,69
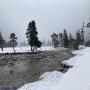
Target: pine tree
x,y
60,40
78,40
32,37
13,40
70,39
65,39
1,41
82,37
54,37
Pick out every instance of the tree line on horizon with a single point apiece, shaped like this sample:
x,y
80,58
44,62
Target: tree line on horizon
x,y
68,41
58,40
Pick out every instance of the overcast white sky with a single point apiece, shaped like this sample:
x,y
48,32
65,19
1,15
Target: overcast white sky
x,y
50,16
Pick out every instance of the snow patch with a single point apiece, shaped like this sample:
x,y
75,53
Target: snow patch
x,y
46,81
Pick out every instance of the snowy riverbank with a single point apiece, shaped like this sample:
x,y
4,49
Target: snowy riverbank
x,y
24,49
77,78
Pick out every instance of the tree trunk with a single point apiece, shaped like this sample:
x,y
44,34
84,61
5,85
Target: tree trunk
x,y
13,46
1,47
31,48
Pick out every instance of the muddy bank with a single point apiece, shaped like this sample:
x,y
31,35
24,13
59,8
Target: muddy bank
x,y
19,69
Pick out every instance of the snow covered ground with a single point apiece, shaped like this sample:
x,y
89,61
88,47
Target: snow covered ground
x,y
77,78
25,49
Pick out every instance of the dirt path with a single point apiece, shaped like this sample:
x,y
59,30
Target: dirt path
x,y
19,69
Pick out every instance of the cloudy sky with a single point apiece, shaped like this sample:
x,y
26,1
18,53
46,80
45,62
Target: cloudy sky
x,y
50,16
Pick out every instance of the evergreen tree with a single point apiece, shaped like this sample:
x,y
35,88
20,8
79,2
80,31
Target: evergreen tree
x,y
71,40
82,37
31,35
78,40
54,37
60,40
70,37
65,39
13,40
1,41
